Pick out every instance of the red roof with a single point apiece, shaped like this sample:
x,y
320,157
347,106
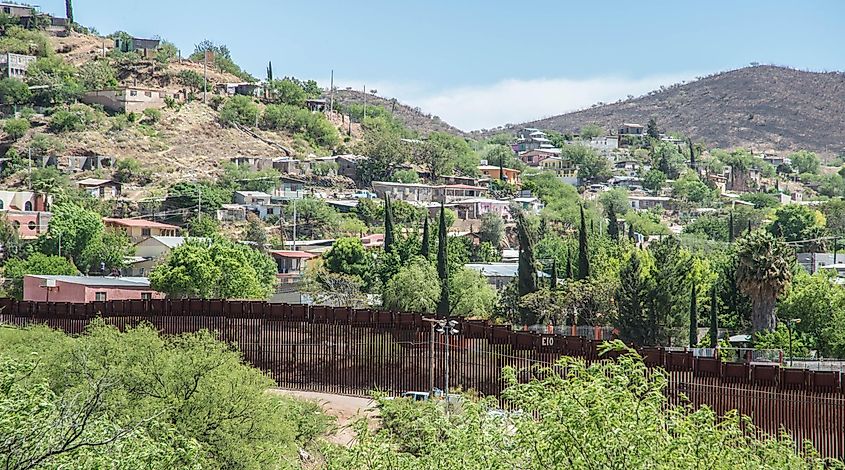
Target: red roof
x,y
139,223
292,254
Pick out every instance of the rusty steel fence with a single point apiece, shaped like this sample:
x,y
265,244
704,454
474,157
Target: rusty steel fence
x,y
354,352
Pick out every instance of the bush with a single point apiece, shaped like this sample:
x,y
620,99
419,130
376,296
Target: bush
x,y
215,102
14,91
97,75
239,110
152,115
43,144
75,119
16,128
314,126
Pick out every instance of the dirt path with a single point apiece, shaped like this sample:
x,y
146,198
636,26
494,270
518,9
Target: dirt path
x,y
344,408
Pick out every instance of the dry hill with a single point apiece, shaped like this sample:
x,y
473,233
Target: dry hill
x,y
761,107
413,118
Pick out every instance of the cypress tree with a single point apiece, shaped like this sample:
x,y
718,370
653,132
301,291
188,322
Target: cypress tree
x,y
592,225
731,228
613,224
69,12
749,226
526,270
714,319
631,233
269,72
568,264
426,240
583,256
691,153
442,268
693,317
553,280
388,225
502,168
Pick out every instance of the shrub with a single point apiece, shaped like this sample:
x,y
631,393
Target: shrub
x,y
152,115
314,126
66,121
97,75
215,102
239,110
16,128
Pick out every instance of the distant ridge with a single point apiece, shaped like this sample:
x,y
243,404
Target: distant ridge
x,y
762,107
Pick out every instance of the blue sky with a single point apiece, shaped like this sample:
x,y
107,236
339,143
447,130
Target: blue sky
x,y
484,63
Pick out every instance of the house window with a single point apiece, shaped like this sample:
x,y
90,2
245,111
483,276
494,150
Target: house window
x,y
31,225
148,94
145,232
146,295
1,204
100,296
133,92
27,206
7,10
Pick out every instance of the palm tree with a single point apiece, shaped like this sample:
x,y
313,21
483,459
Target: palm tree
x,y
763,272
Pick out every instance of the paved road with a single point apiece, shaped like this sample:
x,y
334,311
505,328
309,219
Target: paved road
x,y
344,408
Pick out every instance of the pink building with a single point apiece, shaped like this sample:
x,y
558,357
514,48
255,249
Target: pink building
x,y
29,224
84,289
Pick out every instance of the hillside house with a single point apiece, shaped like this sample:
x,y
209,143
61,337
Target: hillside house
x,y
530,204
17,10
126,99
239,88
563,168
290,165
144,47
231,213
530,138
494,173
140,229
424,193
640,202
253,163
605,146
85,289
24,201
29,224
631,183
15,65
347,165
474,208
453,179
776,160
499,275
75,163
534,157
151,251
289,188
252,198
316,105
100,188
290,264
629,129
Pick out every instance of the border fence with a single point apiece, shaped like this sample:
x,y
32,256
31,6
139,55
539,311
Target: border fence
x,y
355,351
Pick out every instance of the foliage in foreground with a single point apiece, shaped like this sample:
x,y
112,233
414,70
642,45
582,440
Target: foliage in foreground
x,y
136,400
608,415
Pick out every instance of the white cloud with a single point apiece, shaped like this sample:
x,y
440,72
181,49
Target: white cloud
x,y
515,101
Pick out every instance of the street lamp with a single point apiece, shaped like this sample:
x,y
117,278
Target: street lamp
x,y
790,325
447,329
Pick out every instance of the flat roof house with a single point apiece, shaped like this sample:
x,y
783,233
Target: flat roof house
x,y
628,128
424,193
16,10
84,289
252,197
641,203
140,229
492,172
126,99
534,157
289,264
24,201
100,188
15,65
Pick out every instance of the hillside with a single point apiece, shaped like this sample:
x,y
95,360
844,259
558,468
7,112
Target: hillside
x,y
762,107
413,118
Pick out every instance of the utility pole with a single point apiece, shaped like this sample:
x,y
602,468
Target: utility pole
x,y
205,77
365,104
431,362
331,94
294,225
199,204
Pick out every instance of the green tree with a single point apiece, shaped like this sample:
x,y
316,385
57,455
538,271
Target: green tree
x,y
216,268
689,187
14,92
764,271
415,288
315,218
613,224
443,305
668,160
471,295
805,162
16,128
652,130
492,229
527,266
97,75
425,245
36,263
239,110
71,230
406,177
713,336
711,226
591,131
202,225
255,231
796,222
287,91
389,234
634,320
653,180
348,256
820,305
583,253
693,318
56,80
